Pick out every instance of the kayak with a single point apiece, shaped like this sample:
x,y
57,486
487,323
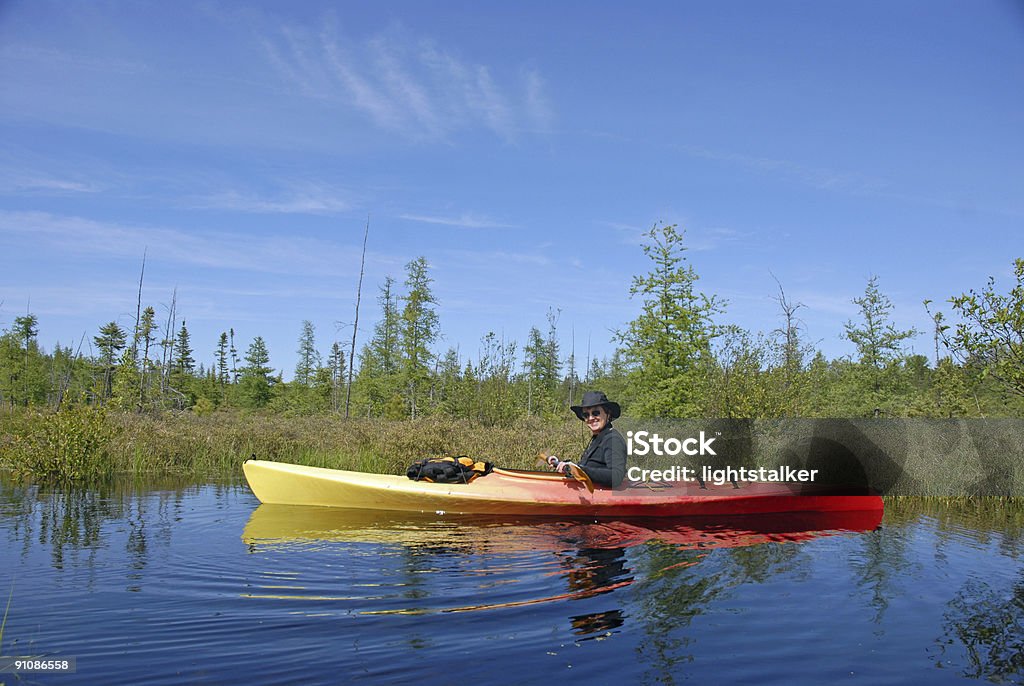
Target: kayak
x,y
514,492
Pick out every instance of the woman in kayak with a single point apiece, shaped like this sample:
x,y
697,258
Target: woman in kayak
x,y
604,460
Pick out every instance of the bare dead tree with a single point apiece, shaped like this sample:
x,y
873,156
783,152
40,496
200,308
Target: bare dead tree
x,y
168,344
355,325
790,334
64,382
138,310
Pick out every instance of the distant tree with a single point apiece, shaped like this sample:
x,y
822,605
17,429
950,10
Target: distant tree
x,y
26,328
221,356
950,391
494,376
110,341
448,384
234,356
878,341
183,360
735,384
873,383
379,360
323,394
23,375
309,358
124,393
257,380
990,334
336,367
671,337
147,336
542,367
419,331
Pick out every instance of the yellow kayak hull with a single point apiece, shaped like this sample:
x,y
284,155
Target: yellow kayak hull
x,y
508,492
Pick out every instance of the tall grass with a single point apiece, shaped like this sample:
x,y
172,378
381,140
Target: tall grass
x,y
84,444
3,624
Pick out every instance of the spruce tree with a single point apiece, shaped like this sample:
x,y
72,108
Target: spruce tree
x,y
111,341
256,378
419,329
671,338
309,358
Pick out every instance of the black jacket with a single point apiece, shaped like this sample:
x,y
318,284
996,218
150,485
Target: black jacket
x,y
604,460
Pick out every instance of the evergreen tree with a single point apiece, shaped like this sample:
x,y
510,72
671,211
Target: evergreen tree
x,y
878,341
147,336
379,360
494,371
337,371
125,389
309,358
32,377
234,356
448,380
257,381
419,329
875,379
111,341
542,367
183,360
221,356
672,336
23,375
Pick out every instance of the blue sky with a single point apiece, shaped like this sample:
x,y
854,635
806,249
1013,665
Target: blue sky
x,y
522,148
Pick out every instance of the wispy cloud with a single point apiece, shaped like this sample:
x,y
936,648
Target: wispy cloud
x,y
696,239
469,221
26,173
818,177
407,84
44,184
304,199
279,254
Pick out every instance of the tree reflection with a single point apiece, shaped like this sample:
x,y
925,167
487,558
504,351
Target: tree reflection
x,y
678,592
989,623
77,523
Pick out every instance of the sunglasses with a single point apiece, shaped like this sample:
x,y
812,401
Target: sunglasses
x,y
591,413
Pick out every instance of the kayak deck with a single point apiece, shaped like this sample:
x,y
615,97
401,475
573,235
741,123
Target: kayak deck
x,y
505,492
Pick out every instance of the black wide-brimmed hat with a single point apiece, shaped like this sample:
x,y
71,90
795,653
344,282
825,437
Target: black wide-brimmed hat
x,y
595,398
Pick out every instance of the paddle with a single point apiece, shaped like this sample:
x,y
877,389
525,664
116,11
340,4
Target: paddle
x,y
575,471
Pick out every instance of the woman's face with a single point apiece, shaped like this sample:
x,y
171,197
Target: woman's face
x,y
595,417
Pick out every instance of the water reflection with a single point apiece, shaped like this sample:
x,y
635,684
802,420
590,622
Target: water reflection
x,y
173,568
989,622
431,562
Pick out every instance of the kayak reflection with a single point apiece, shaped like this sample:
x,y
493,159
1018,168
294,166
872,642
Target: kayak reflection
x,y
396,563
273,525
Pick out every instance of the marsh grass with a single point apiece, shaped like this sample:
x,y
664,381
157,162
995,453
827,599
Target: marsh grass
x,y
982,513
83,444
3,623
87,445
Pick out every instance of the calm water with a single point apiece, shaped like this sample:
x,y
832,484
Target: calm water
x,y
203,585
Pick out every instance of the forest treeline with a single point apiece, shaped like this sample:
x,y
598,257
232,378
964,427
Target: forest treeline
x,y
678,358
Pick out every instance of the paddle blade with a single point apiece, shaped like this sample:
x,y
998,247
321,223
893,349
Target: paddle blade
x,y
581,475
